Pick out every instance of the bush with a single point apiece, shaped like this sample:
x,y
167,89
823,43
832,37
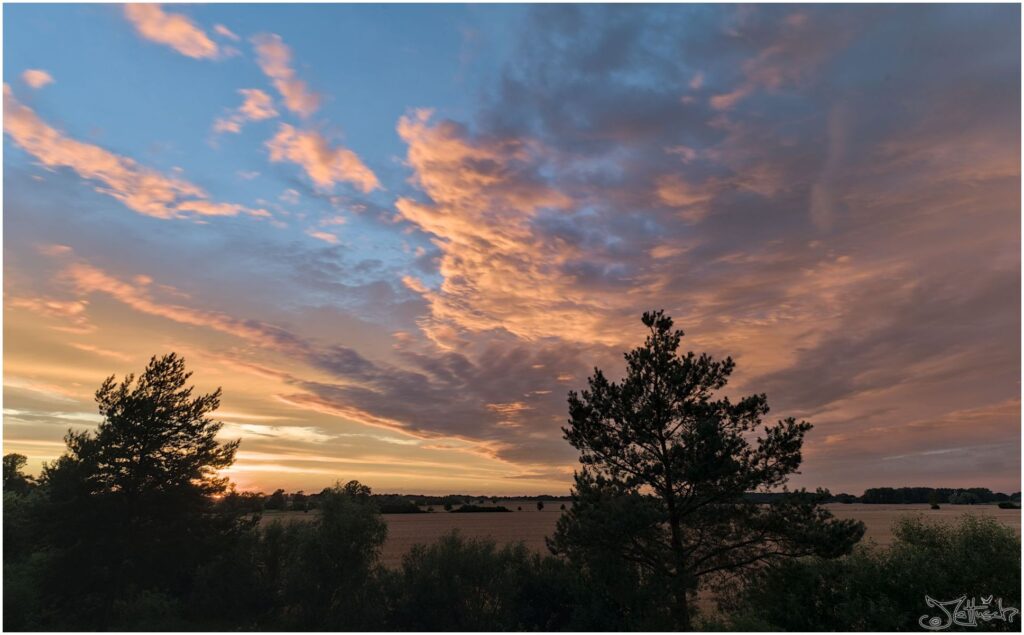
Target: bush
x,y
323,572
397,505
481,508
877,589
472,585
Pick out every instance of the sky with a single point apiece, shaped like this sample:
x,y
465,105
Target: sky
x,y
398,235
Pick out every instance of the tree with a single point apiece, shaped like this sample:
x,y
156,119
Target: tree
x,y
300,502
276,500
321,570
155,437
14,479
131,506
665,466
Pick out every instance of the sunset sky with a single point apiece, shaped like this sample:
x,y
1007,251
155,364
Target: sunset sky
x,y
398,235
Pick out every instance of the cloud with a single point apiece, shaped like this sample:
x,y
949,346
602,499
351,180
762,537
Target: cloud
x,y
323,164
224,31
442,396
70,312
274,58
487,198
327,237
860,260
36,78
558,218
140,189
171,29
87,279
256,106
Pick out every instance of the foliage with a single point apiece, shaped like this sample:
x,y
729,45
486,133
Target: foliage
x,y
133,529
884,589
666,466
318,571
276,501
931,495
15,480
128,509
481,508
472,585
396,505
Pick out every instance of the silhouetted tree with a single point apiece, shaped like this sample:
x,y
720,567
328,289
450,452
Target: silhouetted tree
x,y
276,501
321,571
665,469
14,479
299,501
129,506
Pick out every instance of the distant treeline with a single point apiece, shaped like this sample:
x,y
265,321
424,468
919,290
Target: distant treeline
x,y
908,496
419,503
253,502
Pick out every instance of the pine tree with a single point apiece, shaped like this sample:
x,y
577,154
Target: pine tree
x,y
666,466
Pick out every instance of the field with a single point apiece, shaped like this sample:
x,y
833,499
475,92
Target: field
x,y
532,526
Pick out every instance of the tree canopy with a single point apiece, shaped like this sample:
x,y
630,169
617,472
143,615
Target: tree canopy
x,y
666,463
15,480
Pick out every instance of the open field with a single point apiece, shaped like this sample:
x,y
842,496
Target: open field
x,y
532,526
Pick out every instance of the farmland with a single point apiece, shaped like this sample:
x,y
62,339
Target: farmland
x,y
532,526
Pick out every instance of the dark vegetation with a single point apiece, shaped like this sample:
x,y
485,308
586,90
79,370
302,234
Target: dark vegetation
x,y
133,529
481,508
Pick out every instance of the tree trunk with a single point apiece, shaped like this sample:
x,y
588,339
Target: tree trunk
x,y
682,610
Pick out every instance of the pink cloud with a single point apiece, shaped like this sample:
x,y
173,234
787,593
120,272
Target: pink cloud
x,y
274,58
256,106
327,237
323,164
141,189
224,31
171,29
36,78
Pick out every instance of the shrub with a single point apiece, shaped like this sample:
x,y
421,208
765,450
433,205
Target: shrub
x,y
884,589
457,584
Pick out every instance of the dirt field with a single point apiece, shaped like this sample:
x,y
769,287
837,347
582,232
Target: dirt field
x,y
531,526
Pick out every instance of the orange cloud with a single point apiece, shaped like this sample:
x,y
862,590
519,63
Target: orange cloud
x,y
256,106
89,279
274,58
323,164
499,270
172,29
141,189
70,311
692,200
224,31
327,237
36,78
